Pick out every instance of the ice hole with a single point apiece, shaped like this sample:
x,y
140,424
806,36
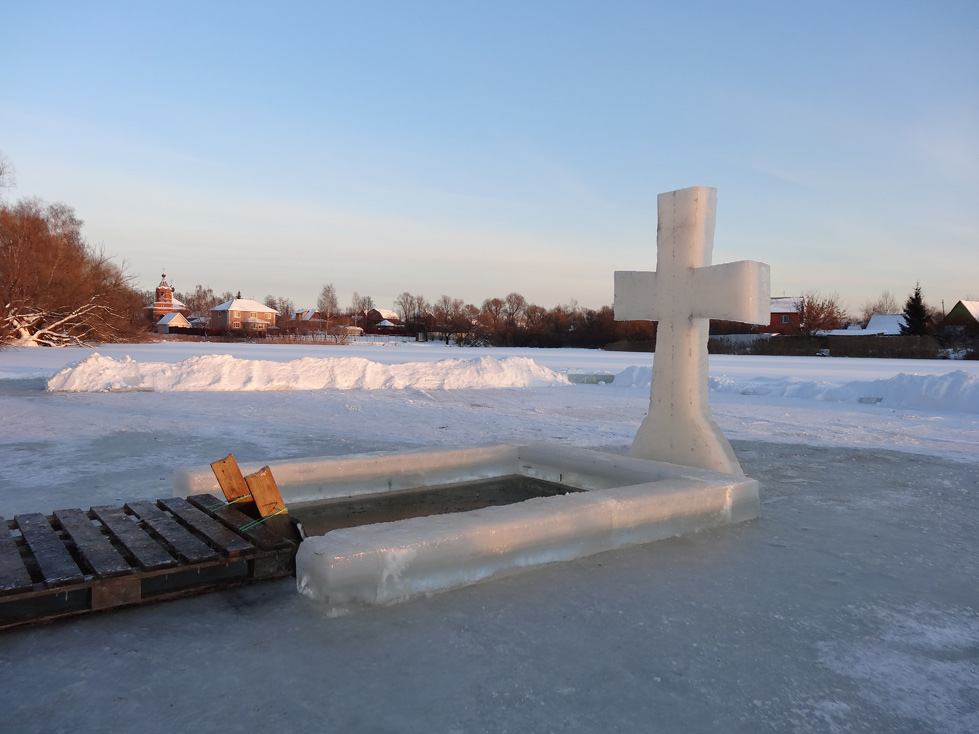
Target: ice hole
x,y
321,516
594,502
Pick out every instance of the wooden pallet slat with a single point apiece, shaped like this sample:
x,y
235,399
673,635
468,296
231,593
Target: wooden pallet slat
x,y
149,554
186,545
13,574
229,543
239,522
94,547
53,558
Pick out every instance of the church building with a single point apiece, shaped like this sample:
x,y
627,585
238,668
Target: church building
x,y
164,302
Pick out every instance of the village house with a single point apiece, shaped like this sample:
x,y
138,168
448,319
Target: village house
x,y
304,321
784,316
243,314
174,320
963,319
382,319
885,324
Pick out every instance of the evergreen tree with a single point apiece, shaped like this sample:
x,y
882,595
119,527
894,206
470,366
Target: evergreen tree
x,y
916,318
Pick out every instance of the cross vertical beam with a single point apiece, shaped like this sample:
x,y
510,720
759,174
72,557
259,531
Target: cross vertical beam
x,y
684,293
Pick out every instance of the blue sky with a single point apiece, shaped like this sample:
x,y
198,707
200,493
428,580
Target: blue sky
x,y
474,149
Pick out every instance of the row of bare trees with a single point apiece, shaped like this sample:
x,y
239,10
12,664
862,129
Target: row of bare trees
x,y
55,289
512,321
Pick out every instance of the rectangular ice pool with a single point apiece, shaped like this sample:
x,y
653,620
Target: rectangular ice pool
x,y
595,502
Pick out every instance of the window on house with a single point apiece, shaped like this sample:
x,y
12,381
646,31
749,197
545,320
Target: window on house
x,y
236,314
235,324
784,318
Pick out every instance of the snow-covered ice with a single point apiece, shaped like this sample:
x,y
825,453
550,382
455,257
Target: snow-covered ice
x,y
850,604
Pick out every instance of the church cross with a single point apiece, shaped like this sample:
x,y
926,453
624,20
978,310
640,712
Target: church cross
x,y
684,293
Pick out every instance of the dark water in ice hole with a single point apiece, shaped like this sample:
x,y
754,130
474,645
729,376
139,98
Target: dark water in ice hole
x,y
318,518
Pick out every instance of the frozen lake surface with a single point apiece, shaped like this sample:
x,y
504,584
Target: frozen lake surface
x,y
849,605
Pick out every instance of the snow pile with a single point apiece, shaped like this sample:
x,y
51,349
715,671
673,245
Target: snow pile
x,y
952,392
224,373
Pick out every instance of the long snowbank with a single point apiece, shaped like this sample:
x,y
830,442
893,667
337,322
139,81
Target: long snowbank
x,y
955,391
224,373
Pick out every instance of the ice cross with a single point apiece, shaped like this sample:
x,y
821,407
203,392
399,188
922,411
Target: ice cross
x,y
684,293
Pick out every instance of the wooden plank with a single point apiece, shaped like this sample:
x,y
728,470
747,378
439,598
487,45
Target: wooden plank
x,y
13,573
149,554
92,545
229,478
53,558
239,522
268,500
229,543
266,493
180,540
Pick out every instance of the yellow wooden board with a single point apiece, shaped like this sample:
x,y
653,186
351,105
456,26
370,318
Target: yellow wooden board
x,y
230,479
266,493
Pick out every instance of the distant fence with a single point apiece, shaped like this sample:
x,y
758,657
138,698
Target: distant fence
x,y
882,347
319,338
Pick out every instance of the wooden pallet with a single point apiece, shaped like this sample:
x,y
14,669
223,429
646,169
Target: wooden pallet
x,y
74,562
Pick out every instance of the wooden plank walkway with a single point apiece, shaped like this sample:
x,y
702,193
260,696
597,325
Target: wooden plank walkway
x,y
74,562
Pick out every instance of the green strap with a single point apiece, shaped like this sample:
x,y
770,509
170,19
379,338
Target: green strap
x,y
278,511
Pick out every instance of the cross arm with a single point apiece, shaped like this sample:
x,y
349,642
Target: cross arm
x,y
634,295
738,291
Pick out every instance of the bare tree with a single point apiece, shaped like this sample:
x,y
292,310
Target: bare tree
x,y
356,308
410,308
885,304
513,308
817,313
284,306
200,301
6,174
492,313
404,304
359,306
54,288
471,329
449,316
326,304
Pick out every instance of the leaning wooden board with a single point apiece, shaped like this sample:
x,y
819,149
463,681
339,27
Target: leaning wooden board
x,y
73,562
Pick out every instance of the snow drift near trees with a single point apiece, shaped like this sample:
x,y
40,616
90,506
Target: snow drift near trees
x,y
224,373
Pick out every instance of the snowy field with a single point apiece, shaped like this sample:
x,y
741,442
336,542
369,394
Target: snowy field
x,y
849,605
